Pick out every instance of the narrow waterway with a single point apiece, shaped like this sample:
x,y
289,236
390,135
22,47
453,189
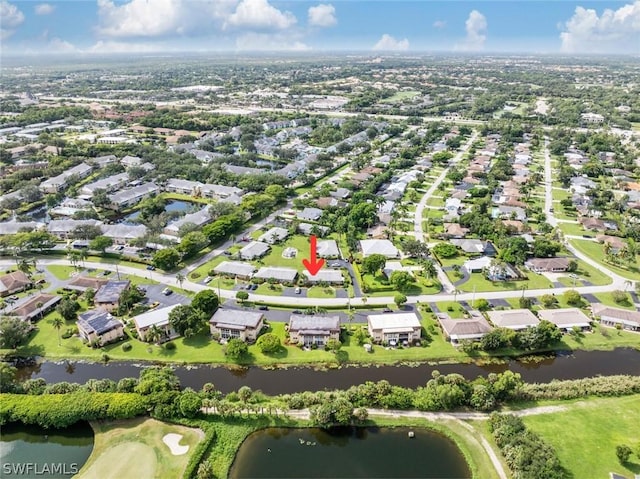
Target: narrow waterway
x,y
580,364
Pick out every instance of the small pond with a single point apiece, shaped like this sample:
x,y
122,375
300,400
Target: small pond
x,y
31,451
349,452
173,206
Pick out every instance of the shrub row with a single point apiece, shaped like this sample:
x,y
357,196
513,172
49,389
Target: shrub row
x,y
62,410
620,385
526,454
199,453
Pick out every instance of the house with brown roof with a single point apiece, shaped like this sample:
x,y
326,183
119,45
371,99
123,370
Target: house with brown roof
x,y
592,223
551,265
457,330
616,317
35,307
454,230
14,282
82,283
615,242
515,225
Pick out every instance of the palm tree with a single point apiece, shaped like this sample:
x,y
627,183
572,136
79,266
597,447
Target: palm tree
x,y
154,334
429,269
57,324
180,279
455,294
25,266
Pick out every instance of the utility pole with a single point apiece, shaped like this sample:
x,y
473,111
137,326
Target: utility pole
x,y
473,299
219,296
117,272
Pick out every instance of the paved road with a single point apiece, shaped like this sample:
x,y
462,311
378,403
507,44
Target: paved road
x,y
418,217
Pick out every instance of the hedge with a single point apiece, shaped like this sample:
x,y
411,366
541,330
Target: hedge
x,y
201,451
62,410
620,385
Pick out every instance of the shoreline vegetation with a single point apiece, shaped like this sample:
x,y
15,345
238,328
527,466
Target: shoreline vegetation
x,y
450,402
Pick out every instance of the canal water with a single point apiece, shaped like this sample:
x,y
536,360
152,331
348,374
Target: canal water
x,y
579,364
33,452
349,452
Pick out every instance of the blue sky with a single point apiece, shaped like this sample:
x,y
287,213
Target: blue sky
x,y
558,26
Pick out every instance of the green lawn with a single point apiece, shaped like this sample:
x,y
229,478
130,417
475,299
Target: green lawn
x,y
120,446
575,229
595,252
585,436
479,283
595,276
61,272
435,201
456,308
605,298
320,292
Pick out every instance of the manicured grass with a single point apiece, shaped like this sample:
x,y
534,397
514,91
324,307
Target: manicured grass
x,y
595,276
274,257
435,201
456,311
480,283
605,298
595,252
61,272
575,229
203,270
121,447
585,436
320,292
560,194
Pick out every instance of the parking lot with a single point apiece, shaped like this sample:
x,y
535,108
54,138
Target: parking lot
x,y
154,293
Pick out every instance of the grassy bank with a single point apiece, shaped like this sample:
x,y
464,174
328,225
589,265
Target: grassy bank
x,y
586,435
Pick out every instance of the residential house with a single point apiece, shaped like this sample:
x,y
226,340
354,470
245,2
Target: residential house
x,y
109,184
308,228
475,246
233,323
235,269
509,212
14,227
327,202
310,214
253,250
513,225
327,249
477,265
615,242
103,161
34,307
452,205
15,282
516,319
132,196
566,318
329,276
616,317
391,266
108,296
122,233
58,183
70,206
63,229
158,318
274,235
82,283
394,328
309,330
379,246
552,265
340,193
129,161
282,275
98,326
458,330
199,219
454,230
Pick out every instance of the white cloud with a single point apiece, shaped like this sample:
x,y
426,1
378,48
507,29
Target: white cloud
x,y
476,27
439,24
269,42
44,9
322,15
144,18
11,19
388,43
260,14
58,45
615,31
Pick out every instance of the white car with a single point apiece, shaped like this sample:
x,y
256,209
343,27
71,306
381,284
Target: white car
x,y
207,280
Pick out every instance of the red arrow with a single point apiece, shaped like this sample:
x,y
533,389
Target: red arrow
x,y
314,264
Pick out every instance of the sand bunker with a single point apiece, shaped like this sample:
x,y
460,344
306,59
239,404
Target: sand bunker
x,y
173,443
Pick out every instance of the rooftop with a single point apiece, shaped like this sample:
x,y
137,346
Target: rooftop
x,y
393,320
308,324
513,319
237,318
98,321
159,317
110,292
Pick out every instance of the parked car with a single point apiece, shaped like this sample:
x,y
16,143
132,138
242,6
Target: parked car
x,y
151,267
253,287
387,310
263,308
296,311
297,290
155,304
334,264
207,280
166,291
14,298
